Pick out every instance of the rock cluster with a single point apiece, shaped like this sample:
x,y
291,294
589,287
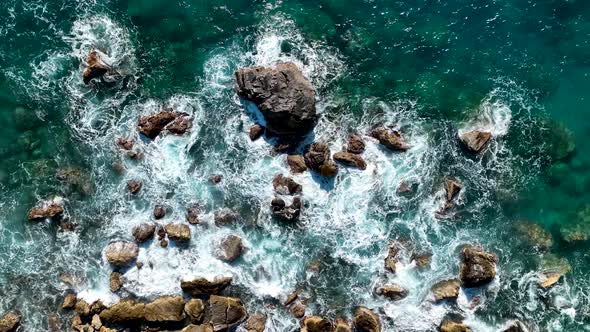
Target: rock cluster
x,y
318,159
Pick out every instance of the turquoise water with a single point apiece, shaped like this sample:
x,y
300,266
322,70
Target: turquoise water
x,y
521,68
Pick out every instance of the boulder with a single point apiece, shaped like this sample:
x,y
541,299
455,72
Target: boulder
x,y
198,328
230,248
159,211
298,309
86,310
577,230
165,309
328,169
180,233
96,323
297,163
318,159
355,144
393,292
478,267
292,297
226,312
124,311
195,310
125,143
256,131
283,95
392,257
286,185
201,286
134,186
475,140
180,125
446,290
144,232
350,159
453,326
452,189
95,67
115,281
315,324
225,217
121,253
192,214
366,320
342,325
389,138
152,125
52,209
255,323
69,301
10,322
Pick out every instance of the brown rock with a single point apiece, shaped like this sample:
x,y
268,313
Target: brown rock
x,y
115,281
163,243
69,301
297,163
200,286
144,232
54,323
318,159
165,309
225,217
342,325
230,249
195,310
286,213
95,67
446,290
475,141
255,323
350,159
315,324
516,326
329,169
121,253
178,232
198,328
159,212
549,279
96,323
134,186
76,322
422,259
192,214
366,321
226,312
392,258
478,267
125,143
10,322
535,235
292,297
355,144
256,131
152,125
53,209
452,189
393,292
452,326
180,125
125,311
215,179
391,139
286,185
405,189
298,309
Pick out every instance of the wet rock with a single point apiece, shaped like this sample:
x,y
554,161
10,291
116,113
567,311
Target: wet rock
x,y
200,286
192,214
124,311
125,143
393,292
350,159
86,310
422,260
298,309
10,321
54,323
535,234
159,212
283,95
478,267
389,138
475,140
318,159
152,125
121,253
256,131
255,323
198,328
215,179
180,125
292,297
366,320
286,185
286,213
69,301
115,281
76,323
165,309
404,189
315,324
355,144
452,189
180,233
453,326
296,163
144,232
577,230
225,217
163,243
342,325
277,204
195,310
230,248
134,186
329,169
53,209
96,323
392,259
95,67
553,269
226,312
515,326
446,290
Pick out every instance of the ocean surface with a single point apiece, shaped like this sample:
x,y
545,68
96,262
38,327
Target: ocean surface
x,y
518,68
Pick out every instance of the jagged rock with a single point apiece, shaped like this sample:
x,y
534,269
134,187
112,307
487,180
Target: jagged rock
x,y
53,208
225,217
446,290
329,169
393,292
96,323
178,232
318,159
215,179
159,212
389,138
342,325
76,323
475,140
315,324
175,122
286,213
226,312
392,259
297,163
298,309
366,320
200,286
452,189
95,67
180,125
355,144
283,95
115,281
86,310
478,267
69,301
198,328
124,311
452,326
230,248
165,309
404,188
10,322
255,323
134,186
535,234
350,159
256,131
292,297
144,232
286,185
195,310
192,214
121,253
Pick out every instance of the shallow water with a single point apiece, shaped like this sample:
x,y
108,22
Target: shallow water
x,y
432,68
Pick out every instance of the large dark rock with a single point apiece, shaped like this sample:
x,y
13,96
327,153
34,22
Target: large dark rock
x,y
230,248
134,186
53,209
165,309
121,253
350,159
200,286
159,211
143,232
475,140
366,320
10,322
283,95
286,185
192,214
226,312
389,138
315,324
95,67
478,267
287,213
256,131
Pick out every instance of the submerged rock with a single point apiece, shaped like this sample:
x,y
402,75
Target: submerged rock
x,y
478,267
283,95
578,228
393,292
256,131
298,309
389,138
95,67
10,322
225,217
179,233
366,320
53,209
350,159
195,310
561,141
215,179
226,312
255,323
165,309
297,163
448,325
355,144
121,253
286,185
200,286
143,232
553,269
315,324
535,234
475,140
230,248
446,290
289,213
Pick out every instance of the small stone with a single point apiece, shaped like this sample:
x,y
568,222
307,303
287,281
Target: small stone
x,y
163,243
286,185
292,297
297,163
125,143
159,211
215,179
134,186
256,131
329,169
115,281
192,214
452,189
